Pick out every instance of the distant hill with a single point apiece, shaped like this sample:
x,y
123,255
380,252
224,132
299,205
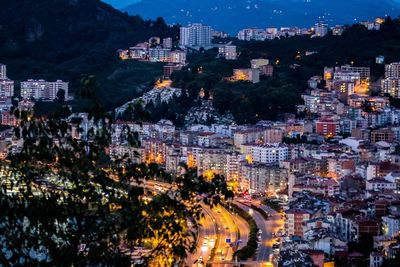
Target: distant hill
x,y
120,3
67,38
232,15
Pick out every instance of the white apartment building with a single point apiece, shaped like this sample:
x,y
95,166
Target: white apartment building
x,y
391,86
3,71
252,34
270,153
177,56
392,70
321,29
41,89
6,88
228,52
195,35
6,85
391,225
159,54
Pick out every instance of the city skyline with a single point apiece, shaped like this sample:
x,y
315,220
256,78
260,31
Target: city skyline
x,y
129,142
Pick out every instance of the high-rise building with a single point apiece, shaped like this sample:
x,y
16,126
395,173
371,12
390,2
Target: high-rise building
x,y
391,84
6,85
392,70
41,89
6,88
3,71
365,72
196,35
321,29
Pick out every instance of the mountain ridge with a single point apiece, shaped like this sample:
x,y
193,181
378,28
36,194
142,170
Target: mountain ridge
x,y
74,38
228,15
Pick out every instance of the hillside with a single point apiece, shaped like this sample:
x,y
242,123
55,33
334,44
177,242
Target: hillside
x,y
272,97
75,38
232,15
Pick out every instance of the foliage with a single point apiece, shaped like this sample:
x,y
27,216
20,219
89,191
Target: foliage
x,y
273,205
71,205
261,211
251,246
84,41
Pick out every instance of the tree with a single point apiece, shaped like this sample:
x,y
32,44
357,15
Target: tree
x,y
61,95
64,203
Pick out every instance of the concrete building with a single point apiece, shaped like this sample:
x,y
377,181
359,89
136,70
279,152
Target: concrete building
x,y
321,29
195,35
3,71
228,52
167,43
269,153
41,89
251,75
258,63
392,70
327,127
391,225
295,218
6,88
159,54
178,57
391,86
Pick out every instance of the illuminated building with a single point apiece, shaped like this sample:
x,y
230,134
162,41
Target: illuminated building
x,y
328,73
294,221
159,54
258,63
365,72
171,68
391,86
337,30
321,29
6,88
167,42
177,56
327,127
391,225
3,71
267,153
6,85
241,137
251,75
195,35
392,70
252,34
228,52
41,89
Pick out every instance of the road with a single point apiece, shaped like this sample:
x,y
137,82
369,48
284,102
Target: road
x,y
228,234
273,224
207,232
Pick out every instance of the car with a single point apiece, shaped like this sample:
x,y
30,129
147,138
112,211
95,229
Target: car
x,y
211,243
